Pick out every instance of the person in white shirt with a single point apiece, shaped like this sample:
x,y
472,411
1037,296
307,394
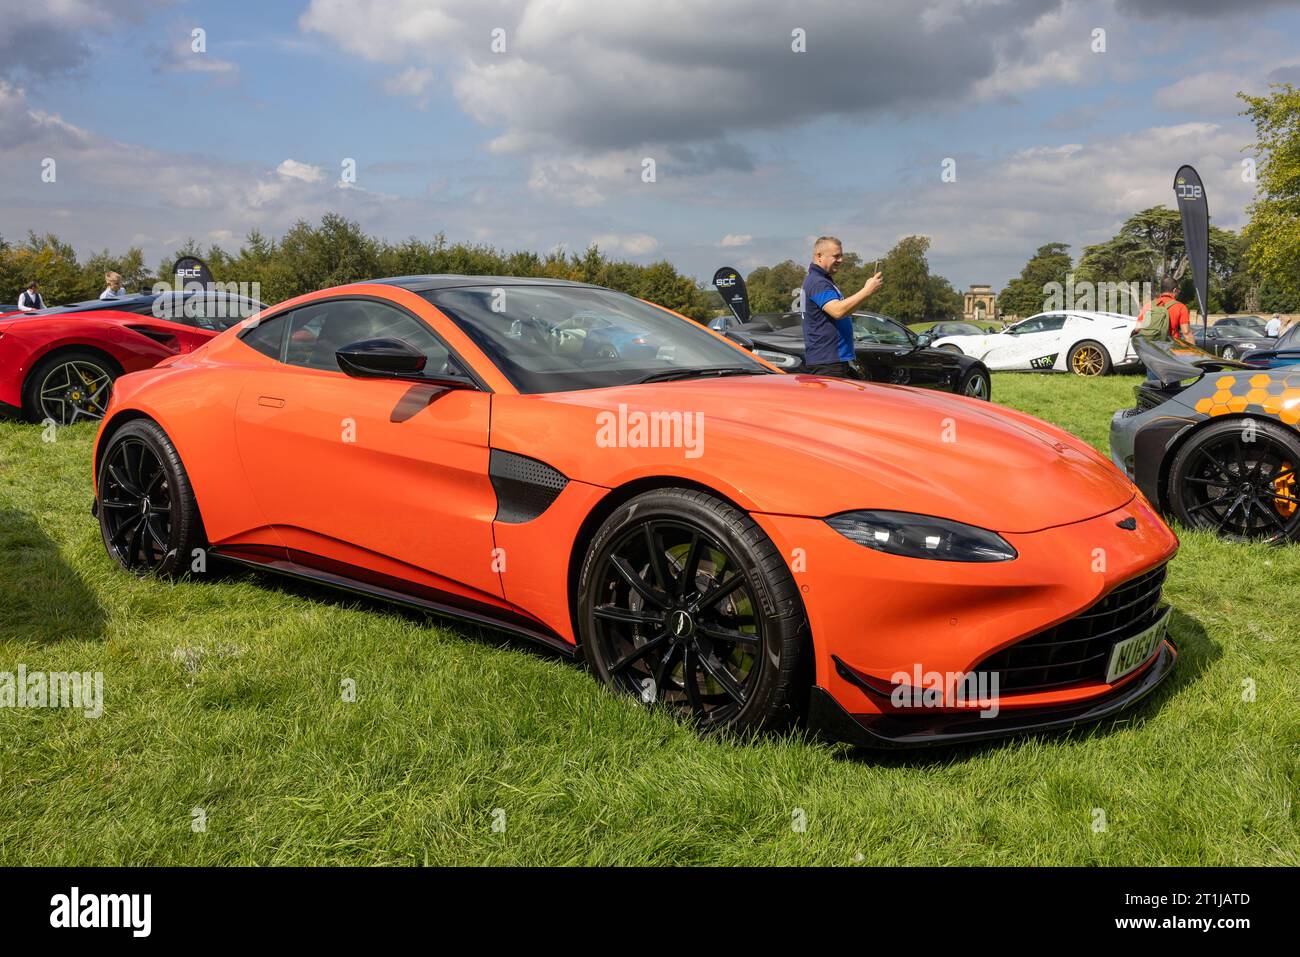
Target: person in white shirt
x,y
31,299
114,290
1274,327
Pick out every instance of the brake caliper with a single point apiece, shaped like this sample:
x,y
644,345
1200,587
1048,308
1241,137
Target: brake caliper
x,y
1285,485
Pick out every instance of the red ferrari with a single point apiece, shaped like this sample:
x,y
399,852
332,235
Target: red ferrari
x,y
59,364
902,566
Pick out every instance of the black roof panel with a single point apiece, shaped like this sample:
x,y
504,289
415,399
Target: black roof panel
x,y
428,283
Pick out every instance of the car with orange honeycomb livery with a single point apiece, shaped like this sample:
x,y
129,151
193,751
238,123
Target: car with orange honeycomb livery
x,y
742,546
1214,443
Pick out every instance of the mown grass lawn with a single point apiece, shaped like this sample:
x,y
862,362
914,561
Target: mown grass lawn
x,y
224,696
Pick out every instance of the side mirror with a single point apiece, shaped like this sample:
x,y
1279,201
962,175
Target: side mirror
x,y
740,339
392,359
924,339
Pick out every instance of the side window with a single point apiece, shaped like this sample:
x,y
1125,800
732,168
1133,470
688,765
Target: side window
x,y
317,332
267,337
1052,324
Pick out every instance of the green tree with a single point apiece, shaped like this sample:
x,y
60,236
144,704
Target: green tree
x,y
1273,253
1024,295
1148,247
773,288
906,294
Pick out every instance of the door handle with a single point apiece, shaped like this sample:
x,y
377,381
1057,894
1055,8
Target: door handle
x,y
270,401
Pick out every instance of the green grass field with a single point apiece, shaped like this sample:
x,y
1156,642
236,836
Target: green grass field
x,y
463,747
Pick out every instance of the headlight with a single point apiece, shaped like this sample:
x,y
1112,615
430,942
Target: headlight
x,y
778,359
922,536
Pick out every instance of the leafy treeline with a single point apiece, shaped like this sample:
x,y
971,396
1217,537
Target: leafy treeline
x,y
311,257
910,293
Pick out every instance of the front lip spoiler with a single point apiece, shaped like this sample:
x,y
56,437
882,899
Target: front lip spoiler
x,y
919,730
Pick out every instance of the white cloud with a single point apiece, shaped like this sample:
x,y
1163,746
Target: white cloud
x,y
413,81
736,239
636,244
303,171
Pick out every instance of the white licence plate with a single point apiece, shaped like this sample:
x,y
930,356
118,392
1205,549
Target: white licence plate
x,y
1131,652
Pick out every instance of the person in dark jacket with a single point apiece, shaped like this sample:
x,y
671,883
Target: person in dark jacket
x,y
828,315
31,300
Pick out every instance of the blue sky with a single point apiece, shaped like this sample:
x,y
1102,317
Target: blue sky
x,y
758,148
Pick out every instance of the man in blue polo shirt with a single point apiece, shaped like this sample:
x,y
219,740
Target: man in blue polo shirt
x,y
828,316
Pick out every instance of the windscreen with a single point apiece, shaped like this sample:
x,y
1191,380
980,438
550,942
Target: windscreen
x,y
564,338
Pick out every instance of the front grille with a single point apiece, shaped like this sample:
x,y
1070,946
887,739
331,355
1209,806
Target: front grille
x,y
1079,649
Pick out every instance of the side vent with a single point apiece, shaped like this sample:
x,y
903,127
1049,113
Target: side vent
x,y
525,487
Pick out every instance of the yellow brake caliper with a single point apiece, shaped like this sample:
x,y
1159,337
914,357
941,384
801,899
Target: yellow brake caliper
x,y
1285,485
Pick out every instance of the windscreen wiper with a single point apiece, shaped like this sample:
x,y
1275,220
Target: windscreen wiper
x,y
718,371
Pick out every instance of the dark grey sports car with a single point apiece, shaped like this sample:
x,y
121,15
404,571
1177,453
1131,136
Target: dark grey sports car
x,y
1233,341
886,350
1214,443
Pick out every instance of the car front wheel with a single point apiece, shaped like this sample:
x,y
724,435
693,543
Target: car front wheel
x,y
975,383
684,602
148,515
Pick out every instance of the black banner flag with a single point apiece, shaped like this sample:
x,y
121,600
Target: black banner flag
x,y
1196,231
731,286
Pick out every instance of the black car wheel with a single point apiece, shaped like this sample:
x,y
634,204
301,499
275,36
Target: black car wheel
x,y
1238,479
69,387
684,602
1089,359
1229,352
147,512
975,383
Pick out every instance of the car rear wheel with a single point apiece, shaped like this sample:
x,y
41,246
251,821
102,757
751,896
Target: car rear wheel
x,y
148,516
975,383
69,387
1238,479
684,602
1089,359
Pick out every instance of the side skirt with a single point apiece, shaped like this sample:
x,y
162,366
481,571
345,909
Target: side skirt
x,y
446,605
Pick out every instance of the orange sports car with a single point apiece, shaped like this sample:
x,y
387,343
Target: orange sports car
x,y
615,481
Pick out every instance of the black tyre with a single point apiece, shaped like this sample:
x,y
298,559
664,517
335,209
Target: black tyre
x,y
976,384
1229,352
69,387
147,512
1238,479
683,601
1088,359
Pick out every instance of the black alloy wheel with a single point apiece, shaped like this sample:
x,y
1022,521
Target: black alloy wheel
x,y
147,513
1238,479
671,608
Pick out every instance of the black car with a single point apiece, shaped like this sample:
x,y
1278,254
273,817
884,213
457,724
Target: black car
x,y
886,350
1284,352
1233,341
1248,322
941,329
